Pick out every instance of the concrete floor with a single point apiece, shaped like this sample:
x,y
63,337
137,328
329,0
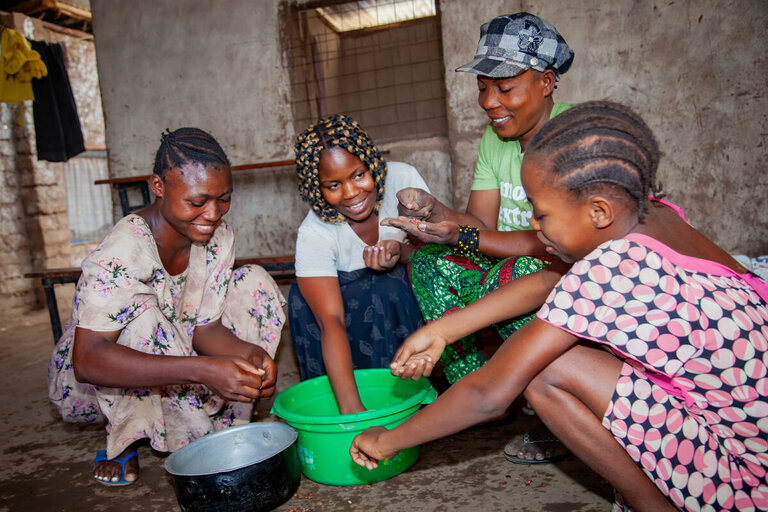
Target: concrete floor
x,y
46,463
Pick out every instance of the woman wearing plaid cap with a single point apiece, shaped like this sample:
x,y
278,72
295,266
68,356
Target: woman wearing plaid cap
x,y
466,255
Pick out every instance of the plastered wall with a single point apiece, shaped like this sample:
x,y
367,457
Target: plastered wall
x,y
694,69
218,65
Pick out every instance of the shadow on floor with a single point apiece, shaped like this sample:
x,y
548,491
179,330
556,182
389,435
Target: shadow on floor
x,y
47,463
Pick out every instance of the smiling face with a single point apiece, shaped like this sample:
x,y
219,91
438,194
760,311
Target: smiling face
x,y
193,199
517,106
346,184
564,223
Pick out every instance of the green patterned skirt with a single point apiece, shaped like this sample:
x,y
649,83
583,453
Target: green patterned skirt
x,y
443,282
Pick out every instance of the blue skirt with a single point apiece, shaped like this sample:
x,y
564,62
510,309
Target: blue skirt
x,y
380,311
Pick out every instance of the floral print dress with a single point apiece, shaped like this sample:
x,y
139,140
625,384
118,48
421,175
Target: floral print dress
x,y
125,288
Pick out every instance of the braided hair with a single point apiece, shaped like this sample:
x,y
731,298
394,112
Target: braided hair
x,y
187,145
335,131
601,144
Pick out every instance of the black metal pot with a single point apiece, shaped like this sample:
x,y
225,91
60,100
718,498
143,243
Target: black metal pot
x,y
253,467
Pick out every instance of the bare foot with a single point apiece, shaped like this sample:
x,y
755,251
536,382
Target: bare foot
x,y
537,446
110,471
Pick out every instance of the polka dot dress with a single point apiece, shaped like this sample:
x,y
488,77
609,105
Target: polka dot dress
x,y
691,405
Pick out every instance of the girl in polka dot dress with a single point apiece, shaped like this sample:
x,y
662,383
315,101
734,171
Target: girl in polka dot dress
x,y
648,359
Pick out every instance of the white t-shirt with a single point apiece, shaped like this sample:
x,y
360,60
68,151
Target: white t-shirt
x,y
323,248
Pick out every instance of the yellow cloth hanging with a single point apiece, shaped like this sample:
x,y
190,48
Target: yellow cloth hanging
x,y
19,64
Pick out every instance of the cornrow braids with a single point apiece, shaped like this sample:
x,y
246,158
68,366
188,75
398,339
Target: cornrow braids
x,y
187,145
335,131
598,144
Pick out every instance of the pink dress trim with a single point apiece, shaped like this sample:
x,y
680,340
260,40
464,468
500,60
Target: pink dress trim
x,y
700,265
697,264
677,209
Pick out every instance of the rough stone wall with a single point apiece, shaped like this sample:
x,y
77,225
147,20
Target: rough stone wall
x,y
34,213
33,206
45,204
694,69
16,294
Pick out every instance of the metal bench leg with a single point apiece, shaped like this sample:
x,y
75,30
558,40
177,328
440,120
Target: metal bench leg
x,y
53,308
122,190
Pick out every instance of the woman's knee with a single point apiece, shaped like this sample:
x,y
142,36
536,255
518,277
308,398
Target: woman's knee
x,y
549,379
584,372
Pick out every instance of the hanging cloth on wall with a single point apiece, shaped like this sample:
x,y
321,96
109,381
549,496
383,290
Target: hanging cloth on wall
x,y
57,126
19,64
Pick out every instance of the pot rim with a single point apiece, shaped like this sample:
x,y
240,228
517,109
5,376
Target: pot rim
x,y
211,438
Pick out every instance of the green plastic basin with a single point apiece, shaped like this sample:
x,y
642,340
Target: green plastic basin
x,y
325,435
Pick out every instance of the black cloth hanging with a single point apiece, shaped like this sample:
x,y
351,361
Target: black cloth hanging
x,y
57,126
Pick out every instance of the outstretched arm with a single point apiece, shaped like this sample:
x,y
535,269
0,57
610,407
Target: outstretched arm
x,y
481,396
425,218
506,244
500,244
419,352
323,296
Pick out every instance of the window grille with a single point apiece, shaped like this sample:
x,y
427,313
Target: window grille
x,y
377,61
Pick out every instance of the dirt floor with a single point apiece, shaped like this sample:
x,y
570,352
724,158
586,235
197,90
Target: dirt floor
x,y
46,463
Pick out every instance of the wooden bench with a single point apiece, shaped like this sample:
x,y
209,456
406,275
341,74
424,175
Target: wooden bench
x,y
140,182
279,267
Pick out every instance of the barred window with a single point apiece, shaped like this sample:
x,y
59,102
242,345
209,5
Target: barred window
x,y
379,61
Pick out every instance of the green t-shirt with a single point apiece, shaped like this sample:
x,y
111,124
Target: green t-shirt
x,y
498,168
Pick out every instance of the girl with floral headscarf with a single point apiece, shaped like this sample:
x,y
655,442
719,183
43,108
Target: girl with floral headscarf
x,y
351,305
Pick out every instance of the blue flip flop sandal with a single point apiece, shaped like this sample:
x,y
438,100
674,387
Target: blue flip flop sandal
x,y
101,456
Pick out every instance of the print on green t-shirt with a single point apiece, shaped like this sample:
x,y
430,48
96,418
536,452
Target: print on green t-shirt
x,y
498,168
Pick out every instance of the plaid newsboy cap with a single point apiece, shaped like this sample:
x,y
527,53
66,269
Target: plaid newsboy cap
x,y
513,43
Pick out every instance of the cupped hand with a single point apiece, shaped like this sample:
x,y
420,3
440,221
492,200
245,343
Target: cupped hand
x,y
415,202
232,378
365,449
260,359
418,354
444,232
382,256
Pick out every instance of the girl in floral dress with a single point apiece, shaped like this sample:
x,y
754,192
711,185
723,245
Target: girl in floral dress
x,y
166,341
648,359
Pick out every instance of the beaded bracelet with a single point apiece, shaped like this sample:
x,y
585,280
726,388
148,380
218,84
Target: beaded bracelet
x,y
468,242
